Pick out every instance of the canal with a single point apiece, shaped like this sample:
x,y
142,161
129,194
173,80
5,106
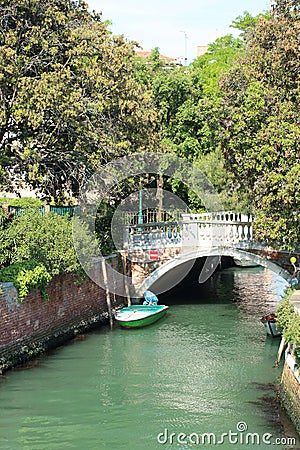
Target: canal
x,y
207,367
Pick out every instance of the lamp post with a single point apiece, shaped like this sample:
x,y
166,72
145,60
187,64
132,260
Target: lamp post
x,y
140,214
185,47
294,279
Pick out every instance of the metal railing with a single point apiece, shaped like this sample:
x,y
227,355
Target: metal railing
x,y
60,210
150,216
63,210
20,211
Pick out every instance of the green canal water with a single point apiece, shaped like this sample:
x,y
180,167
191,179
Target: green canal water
x,y
207,367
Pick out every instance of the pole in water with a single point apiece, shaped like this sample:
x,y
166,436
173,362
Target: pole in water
x,y
280,351
123,257
104,271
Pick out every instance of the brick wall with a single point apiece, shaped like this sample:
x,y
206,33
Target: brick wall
x,y
141,266
290,394
281,258
36,325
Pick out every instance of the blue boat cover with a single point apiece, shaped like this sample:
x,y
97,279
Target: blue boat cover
x,y
150,298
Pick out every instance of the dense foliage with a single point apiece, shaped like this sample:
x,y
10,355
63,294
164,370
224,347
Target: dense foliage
x,y
47,240
26,276
289,321
68,97
34,248
260,123
235,114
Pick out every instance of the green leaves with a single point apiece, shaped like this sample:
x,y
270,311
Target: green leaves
x,y
27,276
23,202
27,280
260,124
34,248
216,61
289,321
69,99
47,240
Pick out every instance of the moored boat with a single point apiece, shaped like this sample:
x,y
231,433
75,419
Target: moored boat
x,y
136,316
269,322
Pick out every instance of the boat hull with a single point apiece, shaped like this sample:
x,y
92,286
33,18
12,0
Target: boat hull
x,y
272,329
137,316
270,325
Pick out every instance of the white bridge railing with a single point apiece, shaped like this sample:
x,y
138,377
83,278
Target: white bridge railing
x,y
225,229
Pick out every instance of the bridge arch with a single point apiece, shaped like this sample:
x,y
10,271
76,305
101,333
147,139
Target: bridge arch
x,y
190,257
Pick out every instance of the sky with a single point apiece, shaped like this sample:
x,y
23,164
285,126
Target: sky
x,y
175,27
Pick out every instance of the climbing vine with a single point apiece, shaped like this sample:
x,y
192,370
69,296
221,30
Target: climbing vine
x,y
27,276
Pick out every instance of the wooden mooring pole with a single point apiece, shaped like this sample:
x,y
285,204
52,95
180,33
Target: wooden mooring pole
x,y
280,351
123,256
108,302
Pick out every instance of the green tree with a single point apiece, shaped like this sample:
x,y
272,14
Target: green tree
x,y
69,100
247,23
34,248
188,102
176,92
47,240
260,123
216,61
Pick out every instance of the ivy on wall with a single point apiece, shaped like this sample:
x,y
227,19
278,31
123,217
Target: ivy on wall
x,y
27,276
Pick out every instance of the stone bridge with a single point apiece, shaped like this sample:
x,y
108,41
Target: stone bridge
x,y
156,250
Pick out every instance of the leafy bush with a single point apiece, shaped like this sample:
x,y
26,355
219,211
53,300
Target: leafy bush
x,y
24,202
47,240
26,276
289,321
34,248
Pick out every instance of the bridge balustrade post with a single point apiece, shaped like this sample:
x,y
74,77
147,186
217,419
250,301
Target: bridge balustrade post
x,y
230,238
238,233
214,234
249,233
230,233
222,233
201,232
204,233
243,235
208,236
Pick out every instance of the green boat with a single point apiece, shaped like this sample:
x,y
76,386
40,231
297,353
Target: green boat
x,y
137,316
